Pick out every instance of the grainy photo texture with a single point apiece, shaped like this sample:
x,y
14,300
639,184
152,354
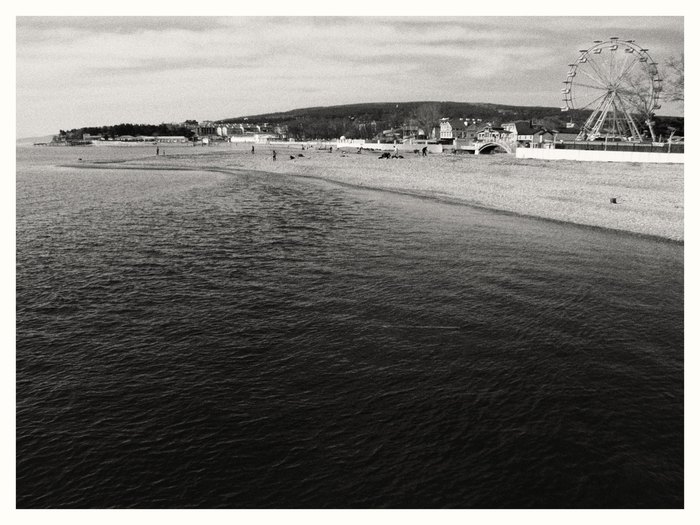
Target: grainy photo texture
x,y
349,262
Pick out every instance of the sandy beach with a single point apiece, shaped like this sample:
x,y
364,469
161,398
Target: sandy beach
x,y
649,196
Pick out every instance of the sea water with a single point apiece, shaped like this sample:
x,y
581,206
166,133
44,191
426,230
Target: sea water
x,y
195,339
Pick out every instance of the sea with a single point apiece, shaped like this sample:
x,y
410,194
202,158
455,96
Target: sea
x,y
189,339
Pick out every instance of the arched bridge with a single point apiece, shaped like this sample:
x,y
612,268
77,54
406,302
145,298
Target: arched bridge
x,y
493,145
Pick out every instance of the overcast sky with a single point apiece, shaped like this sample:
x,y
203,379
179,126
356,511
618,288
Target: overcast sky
x,y
84,71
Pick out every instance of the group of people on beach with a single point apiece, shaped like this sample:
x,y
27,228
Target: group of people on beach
x,y
396,155
274,153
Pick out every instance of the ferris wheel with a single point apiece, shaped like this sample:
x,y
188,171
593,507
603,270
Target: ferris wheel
x,y
619,83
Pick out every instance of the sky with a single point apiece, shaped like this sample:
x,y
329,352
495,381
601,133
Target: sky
x,y
90,71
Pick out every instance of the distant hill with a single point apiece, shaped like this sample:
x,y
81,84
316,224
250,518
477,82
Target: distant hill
x,y
365,120
404,110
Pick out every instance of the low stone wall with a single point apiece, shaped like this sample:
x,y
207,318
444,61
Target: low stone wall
x,y
599,156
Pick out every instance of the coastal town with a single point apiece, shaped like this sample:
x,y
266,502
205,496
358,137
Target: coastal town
x,y
450,135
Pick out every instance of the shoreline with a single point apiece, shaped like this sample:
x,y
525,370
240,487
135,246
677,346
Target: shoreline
x,y
442,200
650,197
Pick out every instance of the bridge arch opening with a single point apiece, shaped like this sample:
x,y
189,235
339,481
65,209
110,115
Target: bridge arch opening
x,y
492,147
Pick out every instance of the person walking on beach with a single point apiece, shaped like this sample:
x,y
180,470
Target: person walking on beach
x,y
425,151
274,155
252,150
157,151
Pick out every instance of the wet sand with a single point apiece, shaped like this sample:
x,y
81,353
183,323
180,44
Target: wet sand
x,y
649,196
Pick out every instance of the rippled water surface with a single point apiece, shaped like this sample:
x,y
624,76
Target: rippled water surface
x,y
193,339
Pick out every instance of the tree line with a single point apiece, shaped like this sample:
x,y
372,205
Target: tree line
x,y
118,130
